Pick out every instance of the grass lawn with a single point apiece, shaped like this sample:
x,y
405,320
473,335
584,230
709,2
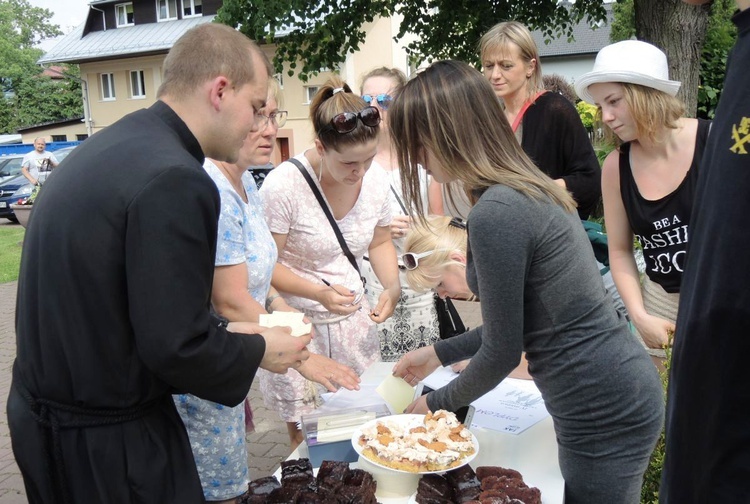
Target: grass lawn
x,y
11,236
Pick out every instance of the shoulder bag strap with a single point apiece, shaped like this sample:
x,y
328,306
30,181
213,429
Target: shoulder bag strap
x,y
327,211
398,198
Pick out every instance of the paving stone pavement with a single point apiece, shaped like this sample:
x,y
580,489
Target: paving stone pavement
x,y
267,446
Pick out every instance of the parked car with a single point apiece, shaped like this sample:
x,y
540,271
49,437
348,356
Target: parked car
x,y
9,194
18,187
61,154
10,167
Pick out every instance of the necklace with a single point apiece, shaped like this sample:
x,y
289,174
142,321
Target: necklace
x,y
235,183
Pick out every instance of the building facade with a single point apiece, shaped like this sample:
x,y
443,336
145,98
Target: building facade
x,y
121,48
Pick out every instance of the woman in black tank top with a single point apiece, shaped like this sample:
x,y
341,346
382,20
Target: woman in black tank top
x,y
648,183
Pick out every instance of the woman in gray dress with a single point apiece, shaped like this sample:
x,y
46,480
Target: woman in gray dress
x,y
531,264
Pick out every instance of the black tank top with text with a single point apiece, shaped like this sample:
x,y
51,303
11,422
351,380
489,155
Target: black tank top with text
x,y
661,226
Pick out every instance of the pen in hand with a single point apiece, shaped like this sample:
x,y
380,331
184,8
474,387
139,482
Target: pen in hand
x,y
331,286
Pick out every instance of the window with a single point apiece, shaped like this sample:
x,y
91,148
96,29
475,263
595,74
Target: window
x,y
107,81
59,138
137,84
166,9
82,137
124,14
310,92
192,8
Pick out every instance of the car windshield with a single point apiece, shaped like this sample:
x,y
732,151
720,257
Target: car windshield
x,y
10,167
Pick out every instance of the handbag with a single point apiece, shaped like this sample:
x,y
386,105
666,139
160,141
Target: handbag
x,y
449,321
331,220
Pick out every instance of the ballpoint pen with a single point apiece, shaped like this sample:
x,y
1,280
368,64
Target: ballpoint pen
x,y
331,286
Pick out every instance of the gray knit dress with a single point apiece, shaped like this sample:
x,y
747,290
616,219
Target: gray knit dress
x,y
534,270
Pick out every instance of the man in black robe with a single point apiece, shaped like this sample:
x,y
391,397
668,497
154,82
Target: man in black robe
x,y
113,315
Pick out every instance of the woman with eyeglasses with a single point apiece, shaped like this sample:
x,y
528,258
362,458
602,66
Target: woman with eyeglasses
x,y
530,262
245,258
314,273
414,322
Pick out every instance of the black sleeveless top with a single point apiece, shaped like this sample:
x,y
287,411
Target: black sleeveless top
x,y
661,226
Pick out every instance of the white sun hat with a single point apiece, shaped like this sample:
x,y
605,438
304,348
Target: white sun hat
x,y
631,61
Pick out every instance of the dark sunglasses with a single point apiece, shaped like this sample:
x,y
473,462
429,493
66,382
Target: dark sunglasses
x,y
384,100
347,121
458,223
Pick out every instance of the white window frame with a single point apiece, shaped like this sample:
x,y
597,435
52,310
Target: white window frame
x,y
190,5
110,80
137,92
171,16
310,92
124,8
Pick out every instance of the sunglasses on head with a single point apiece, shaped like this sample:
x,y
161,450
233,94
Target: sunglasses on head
x,y
411,260
346,122
383,100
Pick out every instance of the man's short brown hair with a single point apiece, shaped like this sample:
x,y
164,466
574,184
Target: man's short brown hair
x,y
205,52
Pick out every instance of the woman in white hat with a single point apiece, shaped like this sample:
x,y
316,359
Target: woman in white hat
x,y
648,182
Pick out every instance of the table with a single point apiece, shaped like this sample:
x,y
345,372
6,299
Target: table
x,y
533,452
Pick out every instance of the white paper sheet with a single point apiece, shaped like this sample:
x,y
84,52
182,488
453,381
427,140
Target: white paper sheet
x,y
513,406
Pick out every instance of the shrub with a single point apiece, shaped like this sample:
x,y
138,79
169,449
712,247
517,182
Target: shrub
x,y
587,113
652,477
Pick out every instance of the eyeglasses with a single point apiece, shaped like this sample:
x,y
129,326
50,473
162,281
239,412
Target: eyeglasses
x,y
278,119
411,260
384,100
347,121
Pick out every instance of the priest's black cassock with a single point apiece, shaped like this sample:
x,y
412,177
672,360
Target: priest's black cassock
x,y
113,317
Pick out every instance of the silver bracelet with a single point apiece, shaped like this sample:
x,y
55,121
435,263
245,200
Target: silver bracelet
x,y
269,300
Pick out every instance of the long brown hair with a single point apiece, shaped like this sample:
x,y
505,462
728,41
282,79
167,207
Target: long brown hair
x,y
327,103
451,111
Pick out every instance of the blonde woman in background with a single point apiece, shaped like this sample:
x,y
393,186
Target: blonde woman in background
x,y
546,124
414,322
312,273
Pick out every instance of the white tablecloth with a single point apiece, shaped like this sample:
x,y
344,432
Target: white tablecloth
x,y
533,452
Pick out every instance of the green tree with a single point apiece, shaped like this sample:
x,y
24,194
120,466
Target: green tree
x,y
28,97
21,28
719,39
320,34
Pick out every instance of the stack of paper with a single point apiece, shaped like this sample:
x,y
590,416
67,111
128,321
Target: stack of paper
x,y
286,319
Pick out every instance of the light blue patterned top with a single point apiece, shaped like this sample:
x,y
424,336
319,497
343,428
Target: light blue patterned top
x,y
243,233
216,432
